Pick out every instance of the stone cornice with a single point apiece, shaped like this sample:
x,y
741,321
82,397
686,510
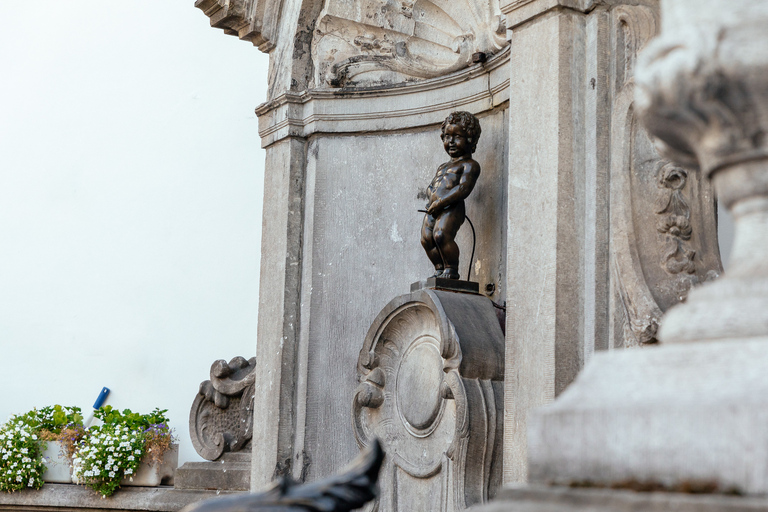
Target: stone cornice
x,y
250,20
477,89
518,12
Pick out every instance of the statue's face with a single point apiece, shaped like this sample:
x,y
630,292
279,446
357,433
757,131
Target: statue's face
x,y
455,141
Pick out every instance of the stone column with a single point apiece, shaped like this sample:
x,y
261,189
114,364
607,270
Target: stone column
x,y
545,213
691,413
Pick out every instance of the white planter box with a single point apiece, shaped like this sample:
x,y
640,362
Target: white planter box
x,y
58,469
153,475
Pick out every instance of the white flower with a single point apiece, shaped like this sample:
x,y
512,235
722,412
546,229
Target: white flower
x,y
137,452
130,457
111,474
34,436
24,450
129,471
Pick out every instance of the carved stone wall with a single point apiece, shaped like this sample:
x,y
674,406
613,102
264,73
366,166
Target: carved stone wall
x,y
663,219
381,42
431,371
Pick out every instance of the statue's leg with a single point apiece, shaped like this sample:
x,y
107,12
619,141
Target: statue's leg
x,y
444,234
430,247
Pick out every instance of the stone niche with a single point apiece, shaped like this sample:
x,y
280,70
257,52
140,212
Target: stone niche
x,y
353,167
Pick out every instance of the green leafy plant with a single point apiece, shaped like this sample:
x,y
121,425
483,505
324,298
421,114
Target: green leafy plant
x,y
113,450
58,423
22,442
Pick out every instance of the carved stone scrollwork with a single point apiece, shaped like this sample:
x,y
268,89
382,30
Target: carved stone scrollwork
x,y
221,417
663,220
380,42
431,372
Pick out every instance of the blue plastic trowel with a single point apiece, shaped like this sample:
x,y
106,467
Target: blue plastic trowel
x,y
96,406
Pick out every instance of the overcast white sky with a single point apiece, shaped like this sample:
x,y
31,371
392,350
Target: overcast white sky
x,y
130,202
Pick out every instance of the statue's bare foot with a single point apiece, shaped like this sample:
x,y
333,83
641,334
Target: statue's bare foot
x,y
450,273
438,272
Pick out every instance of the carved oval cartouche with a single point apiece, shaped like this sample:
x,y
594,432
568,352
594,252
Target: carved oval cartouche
x,y
421,368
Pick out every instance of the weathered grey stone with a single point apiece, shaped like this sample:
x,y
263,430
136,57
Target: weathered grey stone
x,y
358,245
279,305
563,499
688,413
231,472
250,20
69,498
666,415
361,43
430,373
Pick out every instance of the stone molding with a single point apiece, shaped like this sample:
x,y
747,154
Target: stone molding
x,y
374,43
431,388
251,20
477,89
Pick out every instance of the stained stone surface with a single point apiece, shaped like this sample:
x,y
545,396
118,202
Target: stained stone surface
x,y
562,499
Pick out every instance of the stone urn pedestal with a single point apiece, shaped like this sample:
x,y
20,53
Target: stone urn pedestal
x,y
431,389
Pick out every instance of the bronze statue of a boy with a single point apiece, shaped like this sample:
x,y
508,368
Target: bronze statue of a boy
x,y
452,183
